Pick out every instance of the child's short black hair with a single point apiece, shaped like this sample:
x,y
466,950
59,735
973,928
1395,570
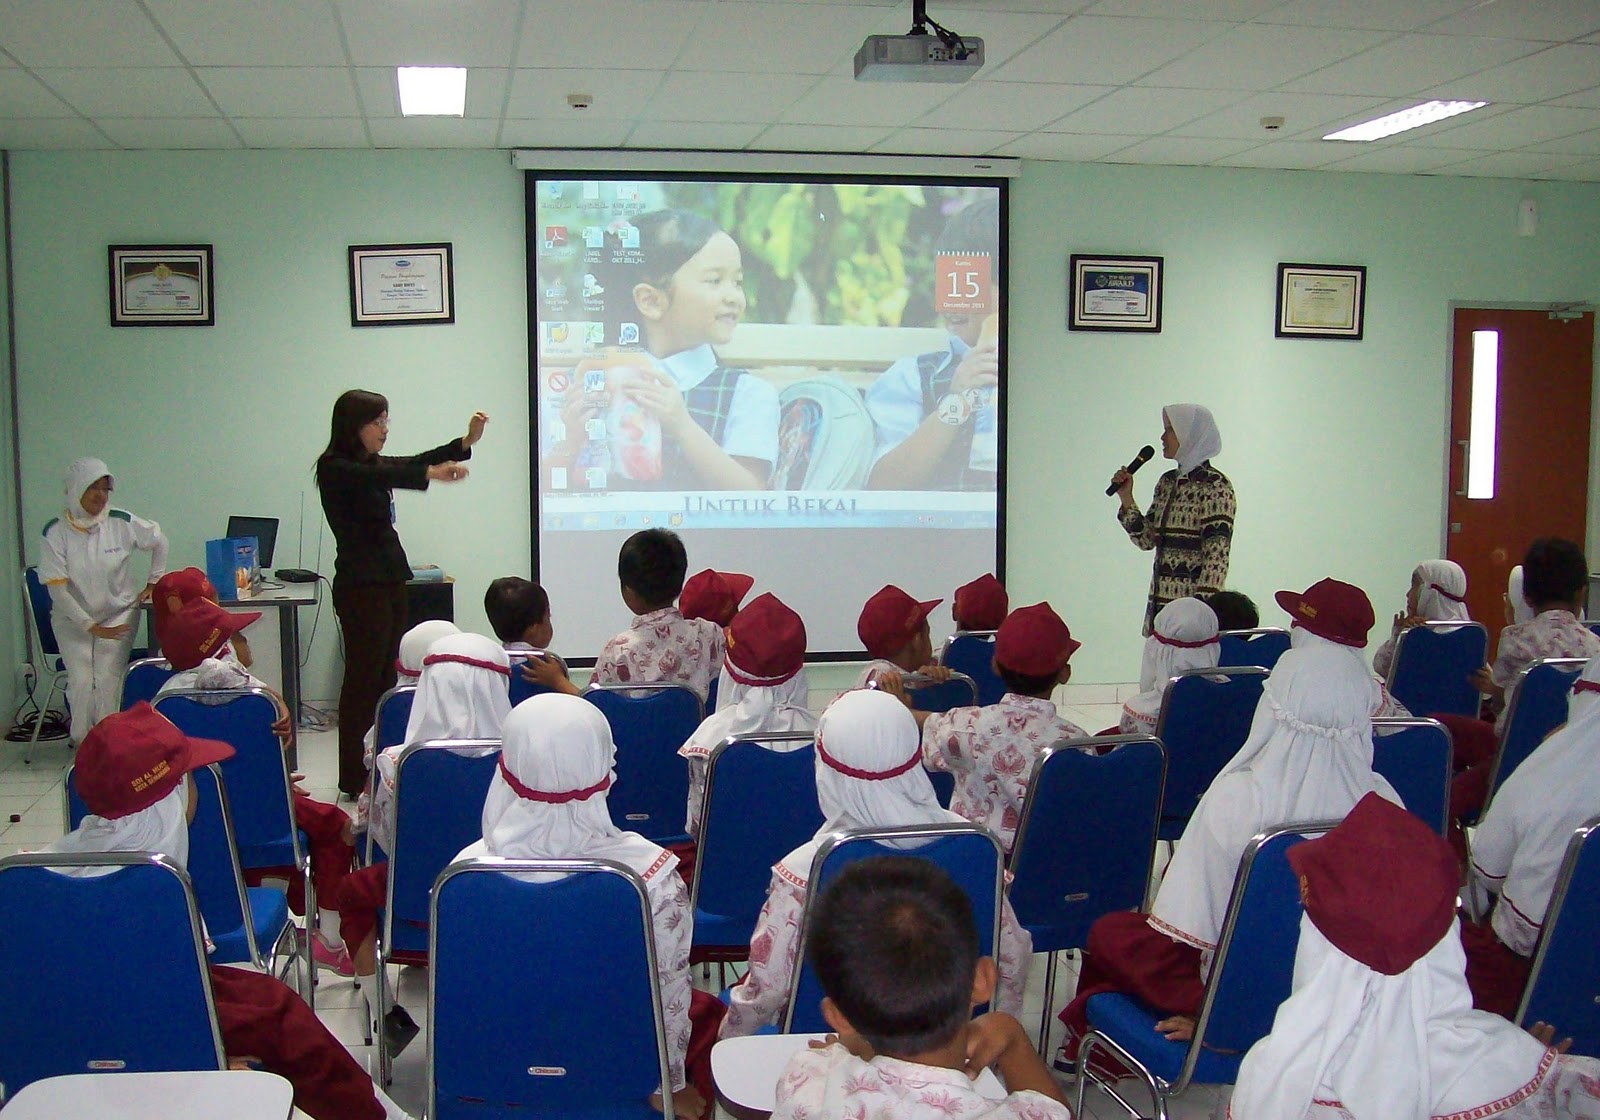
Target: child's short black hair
x,y
1022,684
1553,571
513,604
652,565
1234,610
895,947
975,228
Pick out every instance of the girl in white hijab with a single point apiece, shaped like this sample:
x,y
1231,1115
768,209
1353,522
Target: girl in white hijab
x,y
1438,593
1518,609
1189,524
94,598
1184,638
414,646
1380,1024
869,775
548,801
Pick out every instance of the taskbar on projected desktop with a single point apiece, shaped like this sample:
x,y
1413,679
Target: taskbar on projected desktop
x,y
737,509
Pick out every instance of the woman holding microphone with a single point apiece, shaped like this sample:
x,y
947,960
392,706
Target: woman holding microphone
x,y
370,568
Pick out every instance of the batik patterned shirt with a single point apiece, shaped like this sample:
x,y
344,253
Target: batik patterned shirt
x,y
1190,527
663,647
830,1083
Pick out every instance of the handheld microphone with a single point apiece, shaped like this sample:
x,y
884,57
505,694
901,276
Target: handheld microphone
x,y
1146,453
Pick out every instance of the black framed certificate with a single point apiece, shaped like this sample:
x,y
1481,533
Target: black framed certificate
x,y
1321,300
400,285
1108,292
161,285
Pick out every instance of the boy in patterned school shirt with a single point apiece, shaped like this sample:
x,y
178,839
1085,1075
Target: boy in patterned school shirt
x,y
991,750
661,646
895,948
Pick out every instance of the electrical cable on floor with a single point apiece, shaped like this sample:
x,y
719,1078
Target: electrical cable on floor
x,y
56,724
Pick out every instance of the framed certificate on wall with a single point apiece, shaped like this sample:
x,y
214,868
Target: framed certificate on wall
x,y
1321,300
401,285
1108,292
161,286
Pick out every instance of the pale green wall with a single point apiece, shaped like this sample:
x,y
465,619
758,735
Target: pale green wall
x,y
1336,448
13,650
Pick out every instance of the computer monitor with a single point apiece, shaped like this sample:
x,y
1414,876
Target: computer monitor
x,y
263,529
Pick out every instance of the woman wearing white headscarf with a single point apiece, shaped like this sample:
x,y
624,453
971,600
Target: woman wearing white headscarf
x,y
548,801
1518,847
1190,520
1438,593
1184,637
869,775
1308,758
94,598
1379,1024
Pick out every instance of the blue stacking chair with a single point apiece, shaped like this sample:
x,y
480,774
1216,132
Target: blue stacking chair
x,y
1415,755
438,810
971,652
1260,647
143,679
1433,664
522,689
927,695
103,972
1593,625
711,695
972,856
649,722
1087,843
1564,984
1205,718
580,1031
1251,974
392,716
1537,706
52,667
760,805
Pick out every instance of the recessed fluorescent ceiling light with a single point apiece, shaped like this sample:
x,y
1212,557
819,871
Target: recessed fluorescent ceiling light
x,y
1405,120
432,91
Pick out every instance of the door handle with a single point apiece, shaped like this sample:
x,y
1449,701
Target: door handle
x,y
1466,458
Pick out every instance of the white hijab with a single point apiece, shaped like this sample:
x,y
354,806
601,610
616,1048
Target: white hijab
x,y
559,746
1308,758
416,643
874,735
1404,1047
462,692
1521,609
1444,586
1198,438
81,474
744,709
163,827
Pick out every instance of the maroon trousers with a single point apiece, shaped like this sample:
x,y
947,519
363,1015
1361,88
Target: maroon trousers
x,y
1496,974
262,1019
364,894
1124,954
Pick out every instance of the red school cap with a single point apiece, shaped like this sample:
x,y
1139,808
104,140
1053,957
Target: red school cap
x,y
766,643
1034,641
714,596
132,759
980,605
175,590
1339,612
891,619
199,631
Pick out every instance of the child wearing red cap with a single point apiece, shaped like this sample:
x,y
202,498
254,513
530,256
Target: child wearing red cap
x,y
991,750
980,605
894,629
132,773
762,691
1338,615
196,639
714,596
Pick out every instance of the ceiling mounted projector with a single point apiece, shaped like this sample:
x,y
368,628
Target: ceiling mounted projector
x,y
927,53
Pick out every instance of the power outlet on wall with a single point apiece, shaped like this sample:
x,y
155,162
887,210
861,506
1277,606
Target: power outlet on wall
x,y
24,679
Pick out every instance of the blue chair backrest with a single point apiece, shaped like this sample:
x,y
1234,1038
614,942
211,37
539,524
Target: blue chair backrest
x,y
144,679
76,809
1564,986
760,805
393,714
972,652
1537,707
584,1018
521,689
711,695
1203,723
1593,625
649,723
101,973
1432,664
39,604
960,691
438,810
1087,838
1416,757
971,855
257,775
213,863
1260,647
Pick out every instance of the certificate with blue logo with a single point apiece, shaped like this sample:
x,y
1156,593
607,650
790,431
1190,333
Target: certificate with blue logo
x,y
393,285
1114,293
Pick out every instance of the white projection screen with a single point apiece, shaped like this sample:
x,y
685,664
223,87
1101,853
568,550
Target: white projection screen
x,y
803,377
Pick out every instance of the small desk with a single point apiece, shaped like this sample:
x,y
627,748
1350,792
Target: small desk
x,y
200,1095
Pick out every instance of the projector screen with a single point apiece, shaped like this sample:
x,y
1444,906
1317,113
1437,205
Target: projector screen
x,y
803,377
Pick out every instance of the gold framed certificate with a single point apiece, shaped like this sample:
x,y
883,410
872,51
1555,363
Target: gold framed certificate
x,y
401,285
161,285
1321,300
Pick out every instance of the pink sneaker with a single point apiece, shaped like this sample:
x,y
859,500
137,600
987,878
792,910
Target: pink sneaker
x,y
337,960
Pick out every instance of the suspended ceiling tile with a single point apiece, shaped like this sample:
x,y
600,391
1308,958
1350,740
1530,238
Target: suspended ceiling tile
x,y
420,33
434,132
1302,113
1399,159
845,101
1556,72
589,132
282,91
129,92
1262,56
251,33
1411,63
302,132
82,33
1582,172
1584,99
1064,146
170,133
1099,49
618,94
819,138
764,38
1514,128
1581,144
1145,110
618,34
1378,15
50,134
1286,154
1013,106
944,141
1511,165
1181,150
1228,11
22,95
1554,21
692,136
706,96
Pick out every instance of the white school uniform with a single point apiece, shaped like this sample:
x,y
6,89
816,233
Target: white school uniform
x,y
875,669
832,1082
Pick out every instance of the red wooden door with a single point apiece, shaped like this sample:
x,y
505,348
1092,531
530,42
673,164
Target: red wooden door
x,y
1540,446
